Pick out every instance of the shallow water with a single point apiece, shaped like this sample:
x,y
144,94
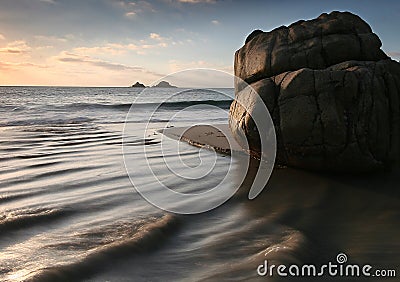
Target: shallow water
x,y
69,212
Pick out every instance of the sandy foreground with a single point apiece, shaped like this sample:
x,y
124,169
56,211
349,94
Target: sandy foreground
x,y
217,136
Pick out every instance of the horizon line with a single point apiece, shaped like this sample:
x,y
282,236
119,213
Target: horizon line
x,y
97,86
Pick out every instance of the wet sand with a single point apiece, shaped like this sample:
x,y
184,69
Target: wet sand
x,y
217,137
329,213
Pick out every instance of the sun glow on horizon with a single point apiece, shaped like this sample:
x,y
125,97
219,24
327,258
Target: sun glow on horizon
x,y
119,42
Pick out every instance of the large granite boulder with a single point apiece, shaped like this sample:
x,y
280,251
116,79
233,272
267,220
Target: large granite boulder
x,y
333,94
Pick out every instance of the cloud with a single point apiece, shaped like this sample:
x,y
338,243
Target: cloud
x,y
109,48
155,36
198,1
66,57
48,1
15,66
68,68
134,8
45,47
176,65
215,22
16,47
394,54
53,39
2,37
130,14
163,41
141,47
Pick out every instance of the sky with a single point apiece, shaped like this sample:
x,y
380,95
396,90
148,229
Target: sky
x,y
119,42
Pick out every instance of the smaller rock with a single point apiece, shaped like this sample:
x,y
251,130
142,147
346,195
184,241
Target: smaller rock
x,y
138,85
164,84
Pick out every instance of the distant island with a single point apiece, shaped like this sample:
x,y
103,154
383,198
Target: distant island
x,y
164,84
161,84
138,85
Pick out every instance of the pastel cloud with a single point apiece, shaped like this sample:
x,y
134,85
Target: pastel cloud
x,y
178,65
394,54
66,57
53,39
133,9
16,66
16,47
155,36
198,1
48,1
140,47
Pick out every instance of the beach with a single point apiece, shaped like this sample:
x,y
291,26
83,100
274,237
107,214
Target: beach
x,y
69,211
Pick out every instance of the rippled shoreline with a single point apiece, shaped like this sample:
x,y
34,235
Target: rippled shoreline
x,y
69,212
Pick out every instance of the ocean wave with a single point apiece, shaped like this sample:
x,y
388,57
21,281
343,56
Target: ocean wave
x,y
55,123
183,104
47,121
49,174
162,105
11,108
144,238
28,217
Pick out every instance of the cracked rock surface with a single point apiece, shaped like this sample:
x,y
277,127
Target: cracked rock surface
x,y
333,94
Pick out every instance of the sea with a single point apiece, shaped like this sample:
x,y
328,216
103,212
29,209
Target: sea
x,y
70,212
